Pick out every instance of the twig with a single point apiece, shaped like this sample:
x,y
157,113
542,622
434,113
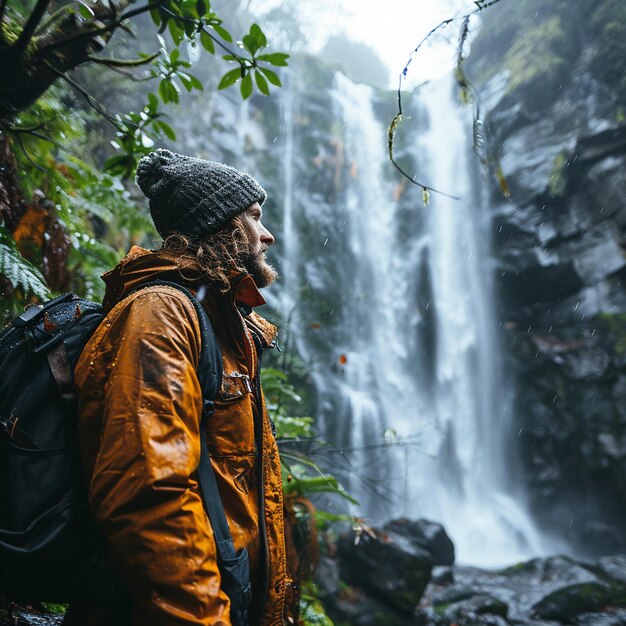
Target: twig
x,y
93,103
218,41
222,45
109,62
53,18
25,151
99,31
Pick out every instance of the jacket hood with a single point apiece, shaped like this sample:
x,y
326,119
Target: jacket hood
x,y
142,266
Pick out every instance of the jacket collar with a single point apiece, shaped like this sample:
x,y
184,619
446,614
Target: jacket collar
x,y
142,266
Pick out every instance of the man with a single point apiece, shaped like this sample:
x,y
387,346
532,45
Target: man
x,y
140,402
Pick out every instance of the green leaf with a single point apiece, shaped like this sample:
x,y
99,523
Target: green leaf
x,y
230,78
196,82
271,76
175,55
250,43
186,81
163,91
177,33
257,33
118,165
222,32
173,91
261,83
86,12
229,57
153,103
156,16
201,7
167,130
276,58
207,42
246,86
317,484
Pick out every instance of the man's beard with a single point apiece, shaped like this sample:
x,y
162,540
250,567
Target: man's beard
x,y
262,272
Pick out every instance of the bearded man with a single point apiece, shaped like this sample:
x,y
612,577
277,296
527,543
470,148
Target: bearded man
x,y
140,403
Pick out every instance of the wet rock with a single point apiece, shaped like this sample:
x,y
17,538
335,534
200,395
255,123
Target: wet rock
x,y
477,604
388,566
564,604
606,618
22,616
442,576
614,567
427,535
430,617
357,607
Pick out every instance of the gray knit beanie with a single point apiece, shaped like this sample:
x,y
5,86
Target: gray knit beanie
x,y
193,196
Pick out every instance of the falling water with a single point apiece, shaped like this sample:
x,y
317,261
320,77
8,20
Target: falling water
x,y
411,385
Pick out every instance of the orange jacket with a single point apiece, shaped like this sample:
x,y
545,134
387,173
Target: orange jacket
x,y
139,412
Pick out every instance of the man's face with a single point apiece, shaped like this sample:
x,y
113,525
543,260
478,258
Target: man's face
x,y
259,240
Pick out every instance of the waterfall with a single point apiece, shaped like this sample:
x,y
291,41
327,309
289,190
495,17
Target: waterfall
x,y
475,497
405,363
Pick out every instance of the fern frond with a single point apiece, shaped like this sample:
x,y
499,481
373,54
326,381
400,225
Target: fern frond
x,y
18,271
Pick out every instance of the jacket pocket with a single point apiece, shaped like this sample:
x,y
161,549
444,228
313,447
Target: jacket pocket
x,y
230,430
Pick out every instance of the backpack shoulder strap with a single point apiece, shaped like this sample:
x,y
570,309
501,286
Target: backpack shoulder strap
x,y
210,376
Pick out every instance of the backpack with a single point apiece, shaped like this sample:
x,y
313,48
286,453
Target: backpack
x,y
49,547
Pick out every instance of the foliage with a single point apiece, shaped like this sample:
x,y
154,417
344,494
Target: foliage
x,y
57,609
61,206
39,48
302,477
60,224
24,277
312,612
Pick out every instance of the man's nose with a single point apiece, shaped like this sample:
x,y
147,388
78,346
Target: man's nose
x,y
266,237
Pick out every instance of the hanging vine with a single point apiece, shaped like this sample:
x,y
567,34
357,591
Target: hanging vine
x,y
468,94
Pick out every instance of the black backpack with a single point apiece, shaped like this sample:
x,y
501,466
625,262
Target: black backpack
x,y
49,547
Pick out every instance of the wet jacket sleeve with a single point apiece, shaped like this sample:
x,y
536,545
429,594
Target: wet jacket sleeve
x,y
143,489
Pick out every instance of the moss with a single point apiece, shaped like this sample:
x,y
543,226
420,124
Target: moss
x,y
534,56
557,183
441,608
615,323
52,607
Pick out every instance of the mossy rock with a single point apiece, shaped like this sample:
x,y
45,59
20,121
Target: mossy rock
x,y
564,604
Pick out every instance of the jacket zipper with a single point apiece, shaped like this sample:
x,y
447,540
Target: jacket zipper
x,y
258,427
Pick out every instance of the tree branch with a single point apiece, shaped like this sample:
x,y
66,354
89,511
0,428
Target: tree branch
x,y
98,31
220,43
31,25
91,101
123,63
58,14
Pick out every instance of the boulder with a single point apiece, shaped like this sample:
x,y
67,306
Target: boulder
x,y
388,566
427,535
571,600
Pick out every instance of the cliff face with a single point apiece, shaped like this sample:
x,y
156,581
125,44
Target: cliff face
x,y
553,86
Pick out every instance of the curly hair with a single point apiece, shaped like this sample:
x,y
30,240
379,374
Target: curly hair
x,y
219,255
